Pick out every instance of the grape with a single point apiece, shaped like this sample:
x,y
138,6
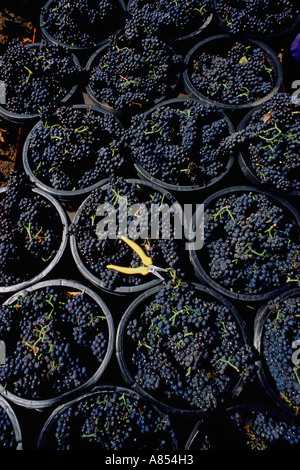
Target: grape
x,y
251,244
257,17
186,348
181,145
75,148
110,419
37,77
233,73
82,24
165,18
56,338
130,74
31,232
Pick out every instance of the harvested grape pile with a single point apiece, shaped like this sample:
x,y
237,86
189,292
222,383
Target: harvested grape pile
x,y
130,74
250,427
270,142
187,350
31,232
56,340
7,433
280,336
181,144
234,73
166,19
251,243
265,431
37,76
83,23
258,17
110,420
75,148
95,228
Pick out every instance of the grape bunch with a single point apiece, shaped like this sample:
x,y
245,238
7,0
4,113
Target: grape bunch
x,y
112,419
247,428
130,74
37,76
7,433
84,23
166,18
75,148
130,209
280,334
181,144
232,73
187,349
31,232
56,338
257,17
251,243
265,430
270,142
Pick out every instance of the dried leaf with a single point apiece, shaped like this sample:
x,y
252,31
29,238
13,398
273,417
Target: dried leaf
x,y
74,294
3,133
267,117
26,41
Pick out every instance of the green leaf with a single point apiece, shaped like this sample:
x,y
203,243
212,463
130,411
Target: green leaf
x,y
244,60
